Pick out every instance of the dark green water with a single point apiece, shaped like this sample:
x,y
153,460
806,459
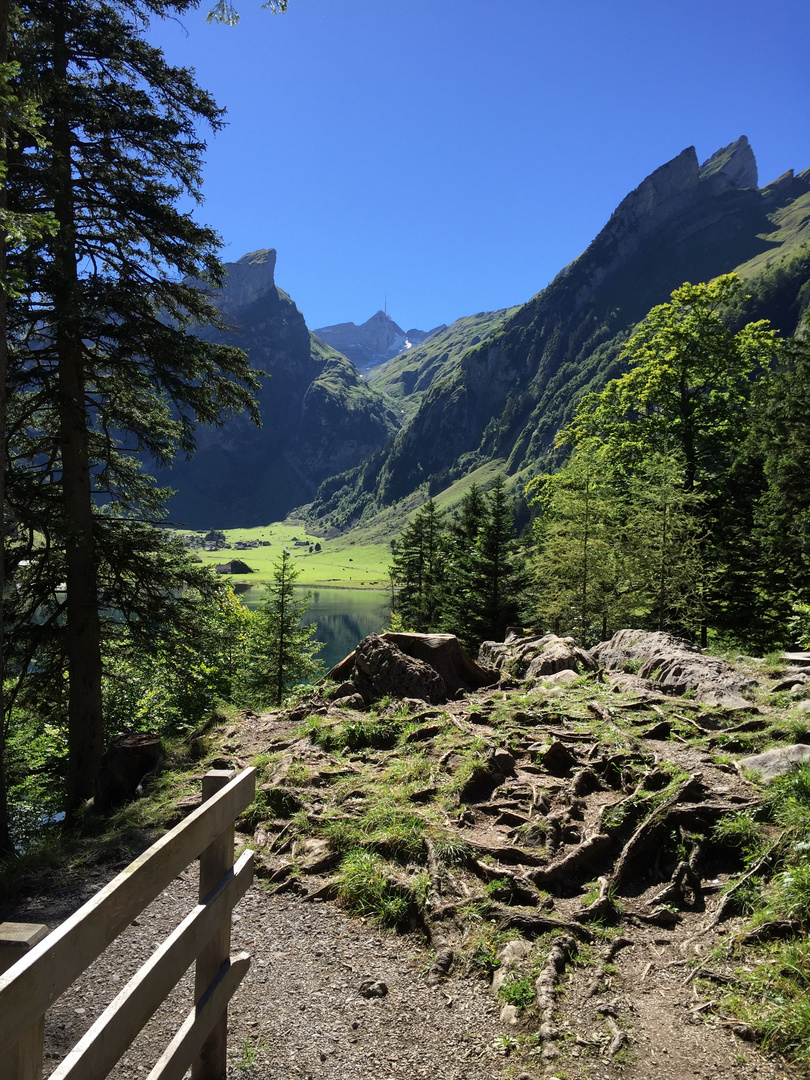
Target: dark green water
x,y
344,616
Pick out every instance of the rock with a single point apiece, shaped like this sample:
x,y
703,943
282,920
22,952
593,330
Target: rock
x,y
529,655
732,166
561,678
427,667
381,668
558,759
372,988
345,689
776,762
675,666
316,856
509,957
351,701
484,779
510,1014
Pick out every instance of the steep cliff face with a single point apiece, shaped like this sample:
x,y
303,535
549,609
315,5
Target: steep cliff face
x,y
318,416
507,396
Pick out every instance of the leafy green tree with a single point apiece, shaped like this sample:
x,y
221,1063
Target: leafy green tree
x,y
688,393
106,363
774,468
172,680
419,570
281,652
661,548
688,385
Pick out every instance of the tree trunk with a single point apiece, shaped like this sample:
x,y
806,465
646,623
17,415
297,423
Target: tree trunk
x,y
5,839
85,717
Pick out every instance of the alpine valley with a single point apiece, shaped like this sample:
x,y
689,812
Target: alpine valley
x,y
432,407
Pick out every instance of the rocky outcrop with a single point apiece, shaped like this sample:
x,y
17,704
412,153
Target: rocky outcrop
x,y
674,666
777,762
525,655
431,667
732,166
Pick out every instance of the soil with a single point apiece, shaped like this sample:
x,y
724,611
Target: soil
x,y
642,1009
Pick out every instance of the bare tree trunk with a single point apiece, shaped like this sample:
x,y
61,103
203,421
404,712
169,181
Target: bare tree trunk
x,y
85,716
5,839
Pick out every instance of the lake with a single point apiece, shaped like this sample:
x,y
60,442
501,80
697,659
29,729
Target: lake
x,y
344,616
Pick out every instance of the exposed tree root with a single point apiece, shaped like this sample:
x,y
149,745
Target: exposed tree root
x,y
582,856
644,836
546,988
615,947
723,908
619,1037
532,924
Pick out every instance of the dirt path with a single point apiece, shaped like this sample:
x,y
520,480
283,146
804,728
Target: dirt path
x,y
300,1014
300,1009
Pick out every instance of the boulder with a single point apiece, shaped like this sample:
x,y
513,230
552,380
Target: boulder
x,y
674,666
527,655
777,762
427,667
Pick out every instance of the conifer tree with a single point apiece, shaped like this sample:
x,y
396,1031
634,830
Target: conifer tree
x,y
460,616
282,652
419,570
105,362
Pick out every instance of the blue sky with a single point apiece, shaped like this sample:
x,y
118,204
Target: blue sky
x,y
453,155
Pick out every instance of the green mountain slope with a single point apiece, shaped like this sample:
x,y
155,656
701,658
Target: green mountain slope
x,y
407,377
507,396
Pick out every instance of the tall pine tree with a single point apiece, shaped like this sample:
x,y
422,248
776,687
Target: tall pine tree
x,y
419,570
105,365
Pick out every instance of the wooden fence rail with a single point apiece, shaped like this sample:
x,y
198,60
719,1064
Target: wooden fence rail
x,y
31,985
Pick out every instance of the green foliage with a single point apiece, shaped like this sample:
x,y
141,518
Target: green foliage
x,y
739,830
379,734
172,681
465,576
280,652
366,889
418,569
649,522
517,990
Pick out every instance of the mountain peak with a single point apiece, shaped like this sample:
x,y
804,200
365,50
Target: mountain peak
x,y
377,339
735,163
247,279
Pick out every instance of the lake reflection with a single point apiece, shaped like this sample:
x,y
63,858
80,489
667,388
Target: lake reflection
x,y
344,616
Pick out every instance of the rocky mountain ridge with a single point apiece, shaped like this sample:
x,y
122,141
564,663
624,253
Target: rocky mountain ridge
x,y
373,342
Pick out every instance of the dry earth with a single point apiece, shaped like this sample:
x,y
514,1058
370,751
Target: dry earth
x,y
626,995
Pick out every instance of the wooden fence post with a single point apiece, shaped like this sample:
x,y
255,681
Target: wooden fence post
x,y
25,1059
215,862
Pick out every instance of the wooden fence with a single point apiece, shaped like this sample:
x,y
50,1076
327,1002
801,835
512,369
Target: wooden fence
x,y
53,961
